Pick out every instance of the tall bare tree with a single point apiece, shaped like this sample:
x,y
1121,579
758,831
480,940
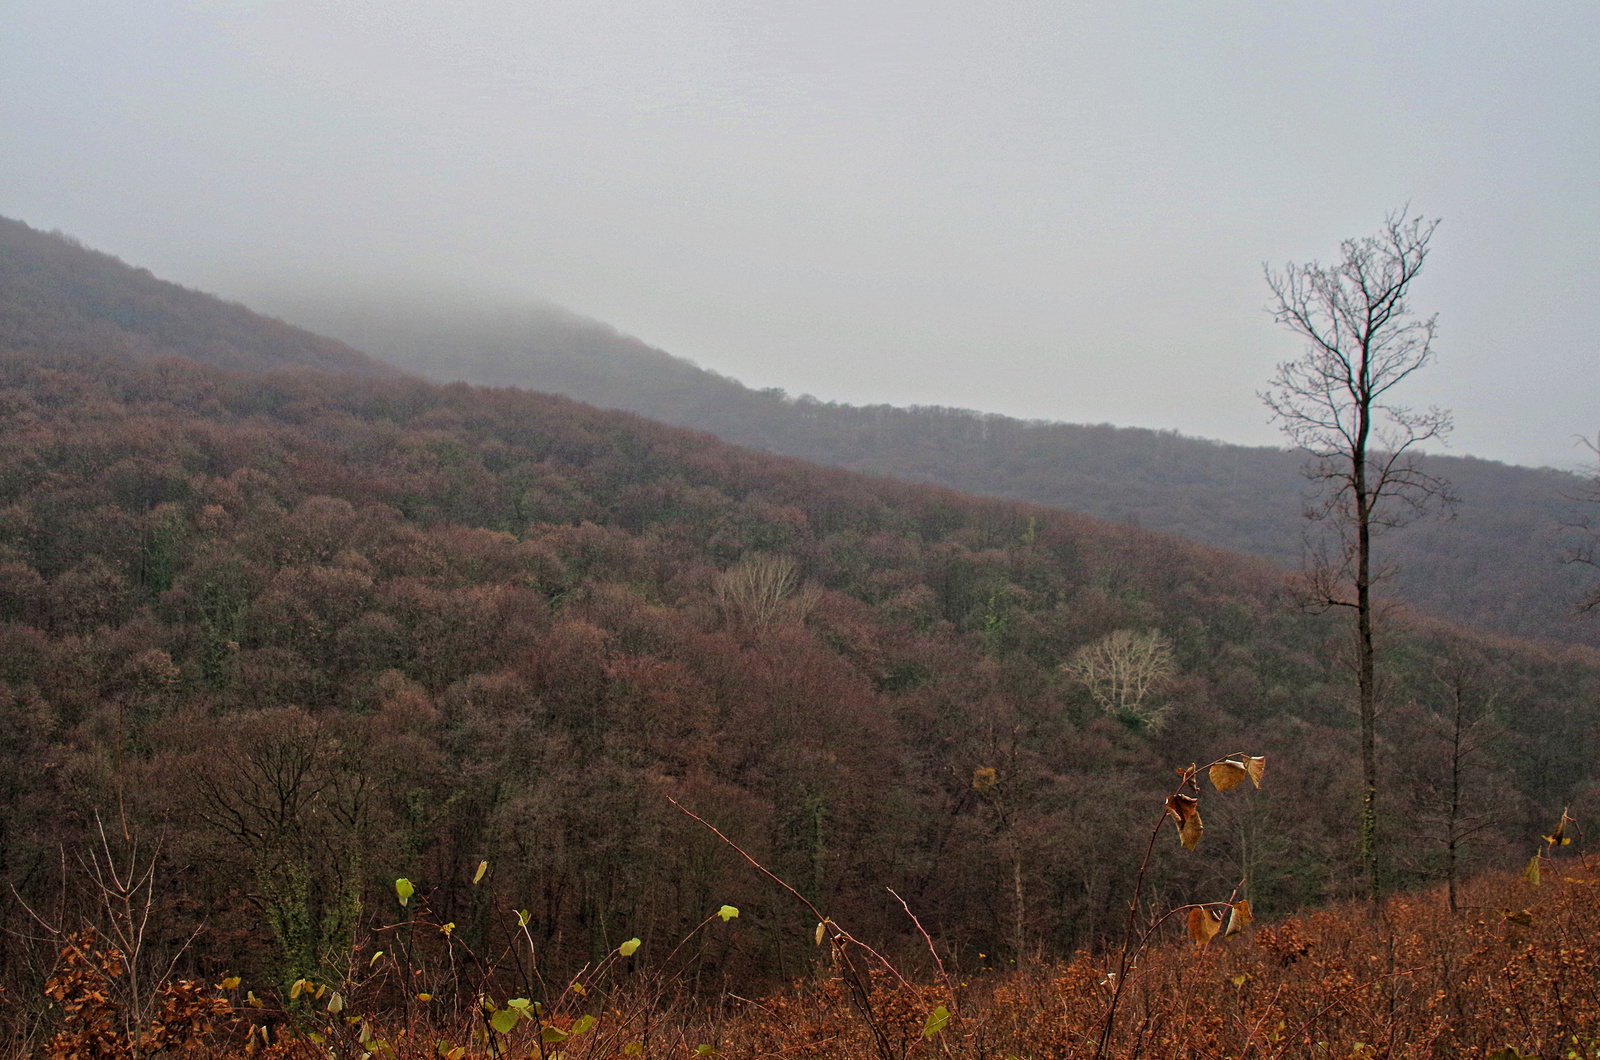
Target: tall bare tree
x,y
1337,402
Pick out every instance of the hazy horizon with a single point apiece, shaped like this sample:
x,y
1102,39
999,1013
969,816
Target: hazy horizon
x,y
1055,212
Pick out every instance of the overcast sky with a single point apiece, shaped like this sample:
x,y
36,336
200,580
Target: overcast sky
x,y
1046,208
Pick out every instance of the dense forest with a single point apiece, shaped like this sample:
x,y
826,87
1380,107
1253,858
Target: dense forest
x,y
288,638
1500,562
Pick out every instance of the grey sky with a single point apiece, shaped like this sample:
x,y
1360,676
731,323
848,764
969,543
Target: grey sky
x,y
1040,207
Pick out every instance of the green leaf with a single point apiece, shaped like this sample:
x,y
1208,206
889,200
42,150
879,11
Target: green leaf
x,y
523,916
504,1020
518,1003
633,1049
553,1034
629,948
1531,873
483,867
706,1050
936,1021
582,1023
1508,1053
404,890
727,913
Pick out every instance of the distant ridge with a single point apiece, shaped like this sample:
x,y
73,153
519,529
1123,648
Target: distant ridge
x,y
58,297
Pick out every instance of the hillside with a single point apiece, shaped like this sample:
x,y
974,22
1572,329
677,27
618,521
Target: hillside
x,y
1497,564
309,632
338,630
57,296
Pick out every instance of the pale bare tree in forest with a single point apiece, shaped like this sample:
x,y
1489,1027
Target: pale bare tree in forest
x,y
762,590
1121,671
1337,402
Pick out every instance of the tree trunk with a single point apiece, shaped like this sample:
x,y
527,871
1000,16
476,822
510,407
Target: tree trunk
x,y
1366,679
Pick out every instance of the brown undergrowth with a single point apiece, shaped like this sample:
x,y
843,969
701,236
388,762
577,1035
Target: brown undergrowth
x,y
1517,969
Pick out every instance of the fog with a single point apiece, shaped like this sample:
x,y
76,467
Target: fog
x,y
1041,208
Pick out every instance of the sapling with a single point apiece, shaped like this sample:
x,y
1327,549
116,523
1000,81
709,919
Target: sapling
x,y
1206,919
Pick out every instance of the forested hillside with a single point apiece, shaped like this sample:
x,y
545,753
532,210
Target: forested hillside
x,y
58,296
314,633
286,638
1500,563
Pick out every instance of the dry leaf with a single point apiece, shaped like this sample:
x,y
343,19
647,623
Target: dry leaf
x,y
1185,811
1227,773
1558,838
1256,766
1531,873
1239,917
1204,925
1523,917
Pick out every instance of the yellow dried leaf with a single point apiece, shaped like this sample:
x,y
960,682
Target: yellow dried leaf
x,y
1256,767
1204,925
231,983
1558,838
1227,774
1523,917
1185,811
1531,873
1239,917
984,778
821,930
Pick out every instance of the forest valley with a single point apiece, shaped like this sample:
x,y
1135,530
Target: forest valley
x,y
343,714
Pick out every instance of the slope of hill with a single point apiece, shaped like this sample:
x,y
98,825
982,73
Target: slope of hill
x,y
58,296
320,632
1498,563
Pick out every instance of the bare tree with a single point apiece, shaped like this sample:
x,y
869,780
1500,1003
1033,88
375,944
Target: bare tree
x,y
1336,402
762,590
1121,670
1461,802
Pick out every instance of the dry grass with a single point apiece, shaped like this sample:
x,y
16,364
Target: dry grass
x,y
1518,968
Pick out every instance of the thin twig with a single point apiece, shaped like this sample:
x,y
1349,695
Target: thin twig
x,y
949,988
838,932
